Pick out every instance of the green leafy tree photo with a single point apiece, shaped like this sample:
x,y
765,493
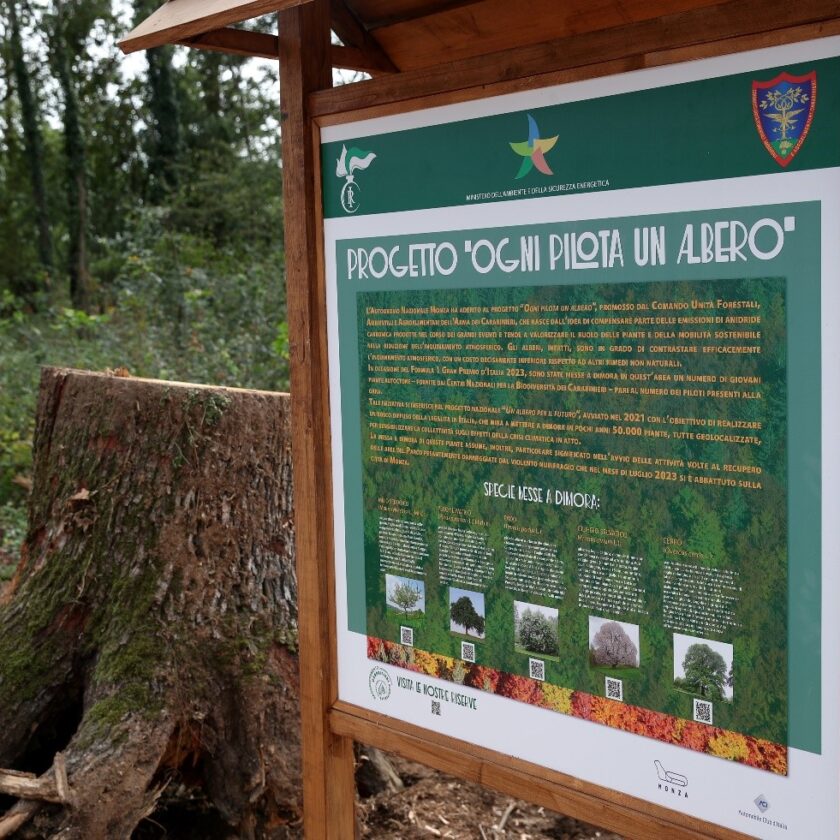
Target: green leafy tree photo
x,y
537,633
463,613
406,596
705,671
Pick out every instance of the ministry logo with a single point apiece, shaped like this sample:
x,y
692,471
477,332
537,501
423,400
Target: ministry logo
x,y
533,150
352,160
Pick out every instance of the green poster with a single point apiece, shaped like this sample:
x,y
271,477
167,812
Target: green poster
x,y
582,393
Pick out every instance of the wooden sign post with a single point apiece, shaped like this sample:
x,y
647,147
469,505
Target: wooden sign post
x,y
562,377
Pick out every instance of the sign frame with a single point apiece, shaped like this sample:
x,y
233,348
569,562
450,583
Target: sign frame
x,y
329,725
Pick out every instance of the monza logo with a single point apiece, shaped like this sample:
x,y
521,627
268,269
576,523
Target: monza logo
x,y
379,683
670,782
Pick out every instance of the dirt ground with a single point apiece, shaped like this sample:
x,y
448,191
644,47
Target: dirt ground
x,y
435,805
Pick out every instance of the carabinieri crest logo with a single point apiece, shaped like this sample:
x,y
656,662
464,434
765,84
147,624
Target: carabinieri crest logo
x,y
533,150
783,109
351,160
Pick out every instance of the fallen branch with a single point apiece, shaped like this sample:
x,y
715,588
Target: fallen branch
x,y
17,816
21,787
62,784
51,787
506,816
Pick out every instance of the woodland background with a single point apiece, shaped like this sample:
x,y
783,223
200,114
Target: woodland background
x,y
141,221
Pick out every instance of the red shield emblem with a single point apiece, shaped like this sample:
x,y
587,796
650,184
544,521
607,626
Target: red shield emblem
x,y
783,109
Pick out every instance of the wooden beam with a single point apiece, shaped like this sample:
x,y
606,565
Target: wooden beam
x,y
178,20
347,26
236,42
547,63
328,785
633,818
351,58
265,45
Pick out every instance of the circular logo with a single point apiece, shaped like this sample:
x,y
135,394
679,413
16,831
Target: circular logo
x,y
350,196
380,684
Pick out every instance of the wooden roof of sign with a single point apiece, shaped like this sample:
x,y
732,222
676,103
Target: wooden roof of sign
x,y
394,36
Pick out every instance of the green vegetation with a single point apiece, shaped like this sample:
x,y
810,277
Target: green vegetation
x,y
719,527
142,222
705,672
406,596
463,613
537,633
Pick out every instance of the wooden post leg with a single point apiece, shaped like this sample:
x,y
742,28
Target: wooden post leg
x,y
328,789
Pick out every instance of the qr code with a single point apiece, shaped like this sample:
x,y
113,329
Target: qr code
x,y
407,636
702,711
613,688
468,651
436,707
536,669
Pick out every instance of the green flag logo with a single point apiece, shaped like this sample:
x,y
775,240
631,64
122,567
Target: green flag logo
x,y
351,161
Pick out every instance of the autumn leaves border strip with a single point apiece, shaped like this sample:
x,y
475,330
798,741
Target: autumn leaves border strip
x,y
721,743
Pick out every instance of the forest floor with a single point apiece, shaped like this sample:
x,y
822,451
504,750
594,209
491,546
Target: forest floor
x,y
436,805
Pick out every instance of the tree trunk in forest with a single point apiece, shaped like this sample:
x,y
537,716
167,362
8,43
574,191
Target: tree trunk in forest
x,y
33,145
76,176
149,633
164,107
163,104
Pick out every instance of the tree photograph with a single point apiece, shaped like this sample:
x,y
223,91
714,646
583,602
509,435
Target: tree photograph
x,y
466,613
535,629
405,595
613,644
703,667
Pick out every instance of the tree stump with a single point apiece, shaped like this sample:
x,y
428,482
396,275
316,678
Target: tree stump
x,y
148,636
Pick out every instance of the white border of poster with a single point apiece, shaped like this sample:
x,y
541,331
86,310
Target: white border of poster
x,y
805,803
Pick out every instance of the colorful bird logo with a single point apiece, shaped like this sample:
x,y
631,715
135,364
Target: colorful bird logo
x,y
533,150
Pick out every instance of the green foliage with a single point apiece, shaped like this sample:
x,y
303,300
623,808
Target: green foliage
x,y
705,671
717,527
159,191
463,613
178,307
537,632
405,596
12,531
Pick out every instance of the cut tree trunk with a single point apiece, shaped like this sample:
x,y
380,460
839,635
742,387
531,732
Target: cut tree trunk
x,y
149,633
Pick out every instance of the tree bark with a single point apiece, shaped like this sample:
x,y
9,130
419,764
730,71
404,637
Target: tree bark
x,y
76,175
149,633
163,105
33,144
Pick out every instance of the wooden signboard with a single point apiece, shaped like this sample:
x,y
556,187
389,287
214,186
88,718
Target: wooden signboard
x,y
580,382
564,386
